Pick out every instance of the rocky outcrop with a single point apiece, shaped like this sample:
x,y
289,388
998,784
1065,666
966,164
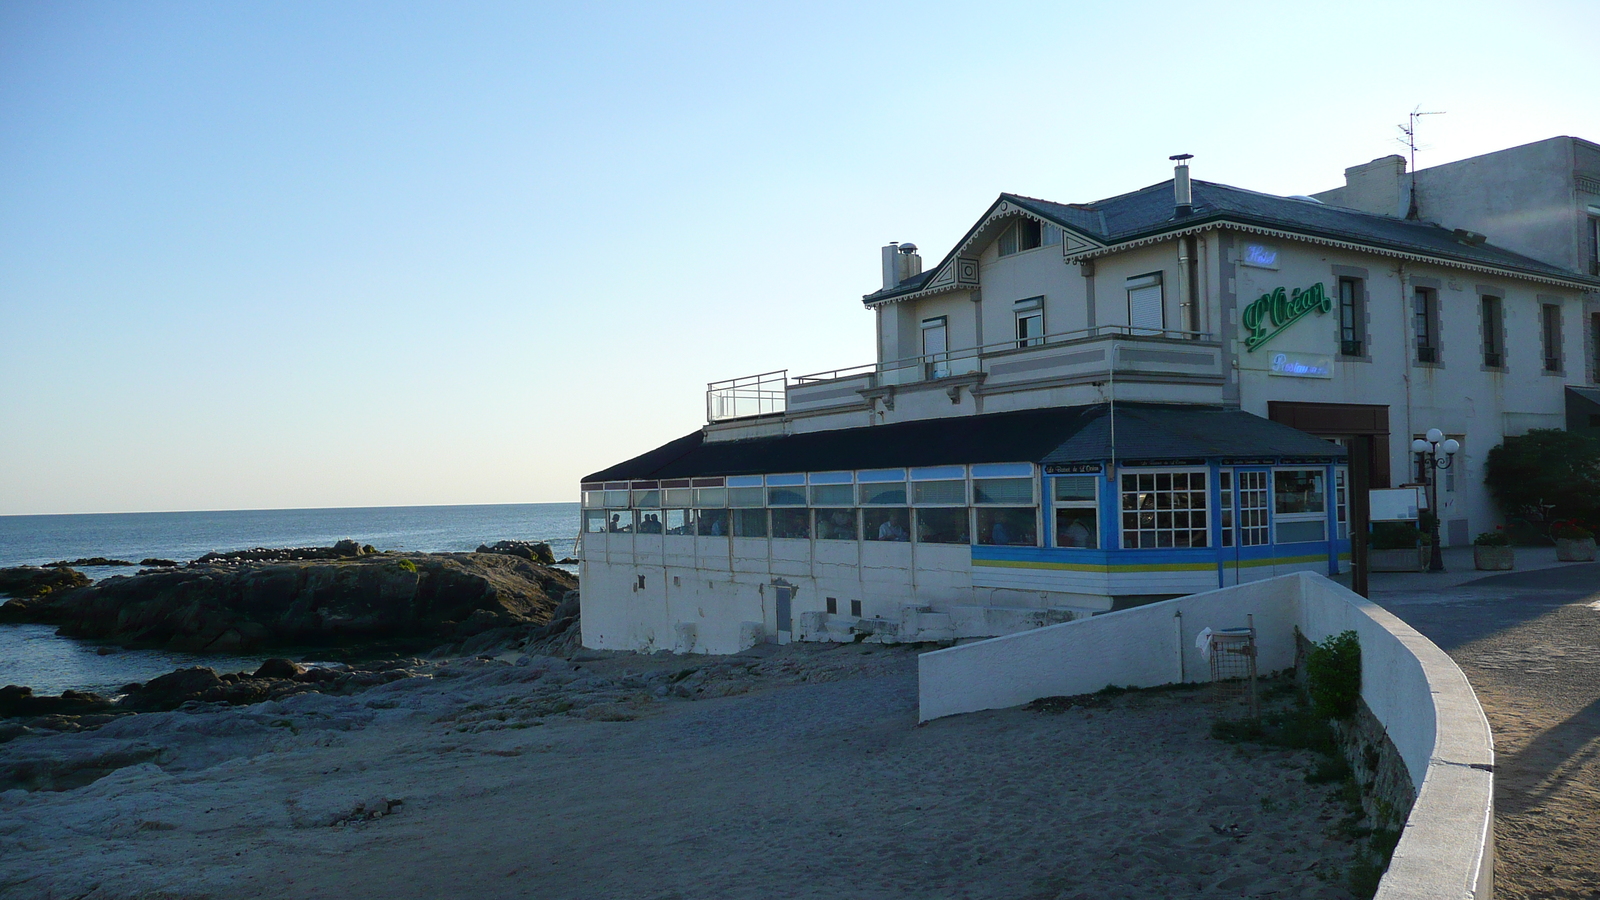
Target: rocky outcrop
x,y
88,561
241,607
344,549
537,551
157,563
37,581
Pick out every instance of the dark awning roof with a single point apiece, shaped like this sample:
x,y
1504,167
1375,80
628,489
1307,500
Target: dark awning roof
x,y
1144,431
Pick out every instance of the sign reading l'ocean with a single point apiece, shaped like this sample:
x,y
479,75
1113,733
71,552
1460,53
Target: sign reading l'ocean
x,y
1272,312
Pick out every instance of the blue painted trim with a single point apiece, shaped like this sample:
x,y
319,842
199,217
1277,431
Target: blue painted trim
x,y
1002,470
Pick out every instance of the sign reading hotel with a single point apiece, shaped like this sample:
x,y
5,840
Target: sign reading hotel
x,y
1273,312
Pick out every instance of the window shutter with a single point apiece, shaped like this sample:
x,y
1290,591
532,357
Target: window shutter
x,y
1145,312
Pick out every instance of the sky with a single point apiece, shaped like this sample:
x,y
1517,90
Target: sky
x,y
262,255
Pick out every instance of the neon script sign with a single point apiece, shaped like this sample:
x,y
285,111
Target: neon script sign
x,y
1270,314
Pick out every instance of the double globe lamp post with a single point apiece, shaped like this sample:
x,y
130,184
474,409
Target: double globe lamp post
x,y
1427,451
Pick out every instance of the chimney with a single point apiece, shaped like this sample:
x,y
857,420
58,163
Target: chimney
x,y
900,263
1181,196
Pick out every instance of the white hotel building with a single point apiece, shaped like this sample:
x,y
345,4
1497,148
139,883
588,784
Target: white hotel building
x,y
1082,407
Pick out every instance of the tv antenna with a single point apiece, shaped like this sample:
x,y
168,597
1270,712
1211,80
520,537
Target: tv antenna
x,y
1409,130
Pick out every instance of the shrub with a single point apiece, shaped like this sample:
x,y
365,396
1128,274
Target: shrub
x,y
1395,536
1495,538
1569,530
1547,468
1333,675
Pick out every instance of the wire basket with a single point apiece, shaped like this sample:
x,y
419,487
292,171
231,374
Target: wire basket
x,y
1233,671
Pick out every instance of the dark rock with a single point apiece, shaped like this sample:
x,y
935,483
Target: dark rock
x,y
104,651
279,668
567,561
20,701
158,563
172,690
350,548
38,581
90,561
537,551
240,606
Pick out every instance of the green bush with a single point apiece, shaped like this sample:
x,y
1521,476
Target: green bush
x,y
1546,473
1333,675
1395,536
1495,538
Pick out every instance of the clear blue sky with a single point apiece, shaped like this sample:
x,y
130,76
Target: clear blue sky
x,y
259,255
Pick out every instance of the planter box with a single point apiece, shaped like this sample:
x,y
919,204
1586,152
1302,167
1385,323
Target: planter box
x,y
1568,550
1494,559
1411,559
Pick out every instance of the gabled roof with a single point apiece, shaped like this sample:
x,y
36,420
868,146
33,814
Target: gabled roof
x,y
1144,431
1105,225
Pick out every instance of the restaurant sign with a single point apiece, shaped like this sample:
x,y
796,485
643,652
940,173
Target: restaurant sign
x,y
1272,312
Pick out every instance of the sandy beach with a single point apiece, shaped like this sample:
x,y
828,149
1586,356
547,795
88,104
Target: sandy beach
x,y
796,772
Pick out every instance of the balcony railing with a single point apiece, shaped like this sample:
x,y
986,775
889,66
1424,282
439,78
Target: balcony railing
x,y
1084,353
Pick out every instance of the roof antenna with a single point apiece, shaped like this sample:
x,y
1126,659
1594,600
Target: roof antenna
x,y
1410,140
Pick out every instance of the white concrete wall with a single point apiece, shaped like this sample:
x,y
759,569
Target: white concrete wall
x,y
1413,688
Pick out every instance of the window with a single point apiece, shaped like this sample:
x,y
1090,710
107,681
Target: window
x,y
791,523
1594,245
937,525
1550,334
939,493
891,493
1030,321
1594,341
680,521
594,521
747,496
1299,500
751,523
1024,234
886,524
1425,324
1494,350
713,523
1352,317
833,495
936,347
835,525
648,521
1225,508
1006,512
1146,307
1164,509
1253,531
1341,495
1077,513
786,496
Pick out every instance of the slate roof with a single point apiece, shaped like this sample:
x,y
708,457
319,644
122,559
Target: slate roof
x,y
1145,431
1150,211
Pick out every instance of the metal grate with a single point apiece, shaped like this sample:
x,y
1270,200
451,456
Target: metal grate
x,y
1233,672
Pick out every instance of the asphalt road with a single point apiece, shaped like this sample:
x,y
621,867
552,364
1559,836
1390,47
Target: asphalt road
x,y
1529,643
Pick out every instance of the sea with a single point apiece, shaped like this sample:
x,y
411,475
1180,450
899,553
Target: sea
x,y
33,655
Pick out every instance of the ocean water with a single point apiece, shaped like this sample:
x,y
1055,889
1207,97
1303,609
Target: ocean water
x,y
35,656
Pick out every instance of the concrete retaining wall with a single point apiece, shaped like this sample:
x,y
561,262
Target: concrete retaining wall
x,y
1416,691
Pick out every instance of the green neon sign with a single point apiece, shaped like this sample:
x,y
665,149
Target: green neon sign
x,y
1271,313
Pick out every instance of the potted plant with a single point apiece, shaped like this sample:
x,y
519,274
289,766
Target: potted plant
x,y
1491,551
1574,543
1396,547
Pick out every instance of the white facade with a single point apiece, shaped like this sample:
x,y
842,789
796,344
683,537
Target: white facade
x,y
1384,328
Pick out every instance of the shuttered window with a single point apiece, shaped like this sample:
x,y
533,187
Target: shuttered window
x,y
1146,312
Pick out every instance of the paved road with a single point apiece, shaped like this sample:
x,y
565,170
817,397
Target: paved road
x,y
1529,643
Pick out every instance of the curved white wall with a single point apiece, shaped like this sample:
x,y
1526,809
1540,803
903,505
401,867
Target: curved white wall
x,y
1413,688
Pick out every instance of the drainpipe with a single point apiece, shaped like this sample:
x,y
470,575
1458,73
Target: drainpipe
x,y
1188,283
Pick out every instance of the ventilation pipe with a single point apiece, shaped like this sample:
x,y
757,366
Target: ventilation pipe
x,y
900,264
1180,185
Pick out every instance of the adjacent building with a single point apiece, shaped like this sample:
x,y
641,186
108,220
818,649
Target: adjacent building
x,y
1085,406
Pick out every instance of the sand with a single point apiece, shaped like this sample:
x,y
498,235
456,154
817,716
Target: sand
x,y
801,773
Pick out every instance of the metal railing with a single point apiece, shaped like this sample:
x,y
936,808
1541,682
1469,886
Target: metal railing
x,y
764,394
752,395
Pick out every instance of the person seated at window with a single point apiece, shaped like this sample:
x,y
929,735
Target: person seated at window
x,y
616,523
650,525
890,530
1000,534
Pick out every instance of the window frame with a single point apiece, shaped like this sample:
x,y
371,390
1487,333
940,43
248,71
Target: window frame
x,y
1552,358
1425,325
1352,332
1028,310
1203,528
1145,282
1057,505
1279,518
1492,325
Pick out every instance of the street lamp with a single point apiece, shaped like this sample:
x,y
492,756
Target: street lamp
x,y
1429,463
